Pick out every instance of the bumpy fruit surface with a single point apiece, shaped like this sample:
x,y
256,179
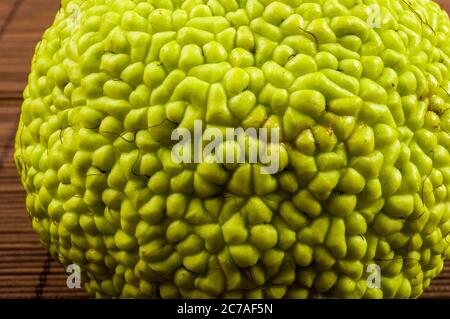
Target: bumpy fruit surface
x,y
359,92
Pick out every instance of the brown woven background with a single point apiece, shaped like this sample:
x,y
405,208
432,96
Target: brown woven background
x,y
26,271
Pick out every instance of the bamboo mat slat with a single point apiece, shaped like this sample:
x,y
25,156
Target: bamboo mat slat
x,y
26,271
5,9
19,39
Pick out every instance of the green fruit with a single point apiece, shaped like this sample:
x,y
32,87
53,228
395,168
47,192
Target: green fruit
x,y
362,191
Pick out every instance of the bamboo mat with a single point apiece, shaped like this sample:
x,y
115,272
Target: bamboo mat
x,y
26,271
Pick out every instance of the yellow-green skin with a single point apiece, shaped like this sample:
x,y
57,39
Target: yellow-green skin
x,y
365,167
